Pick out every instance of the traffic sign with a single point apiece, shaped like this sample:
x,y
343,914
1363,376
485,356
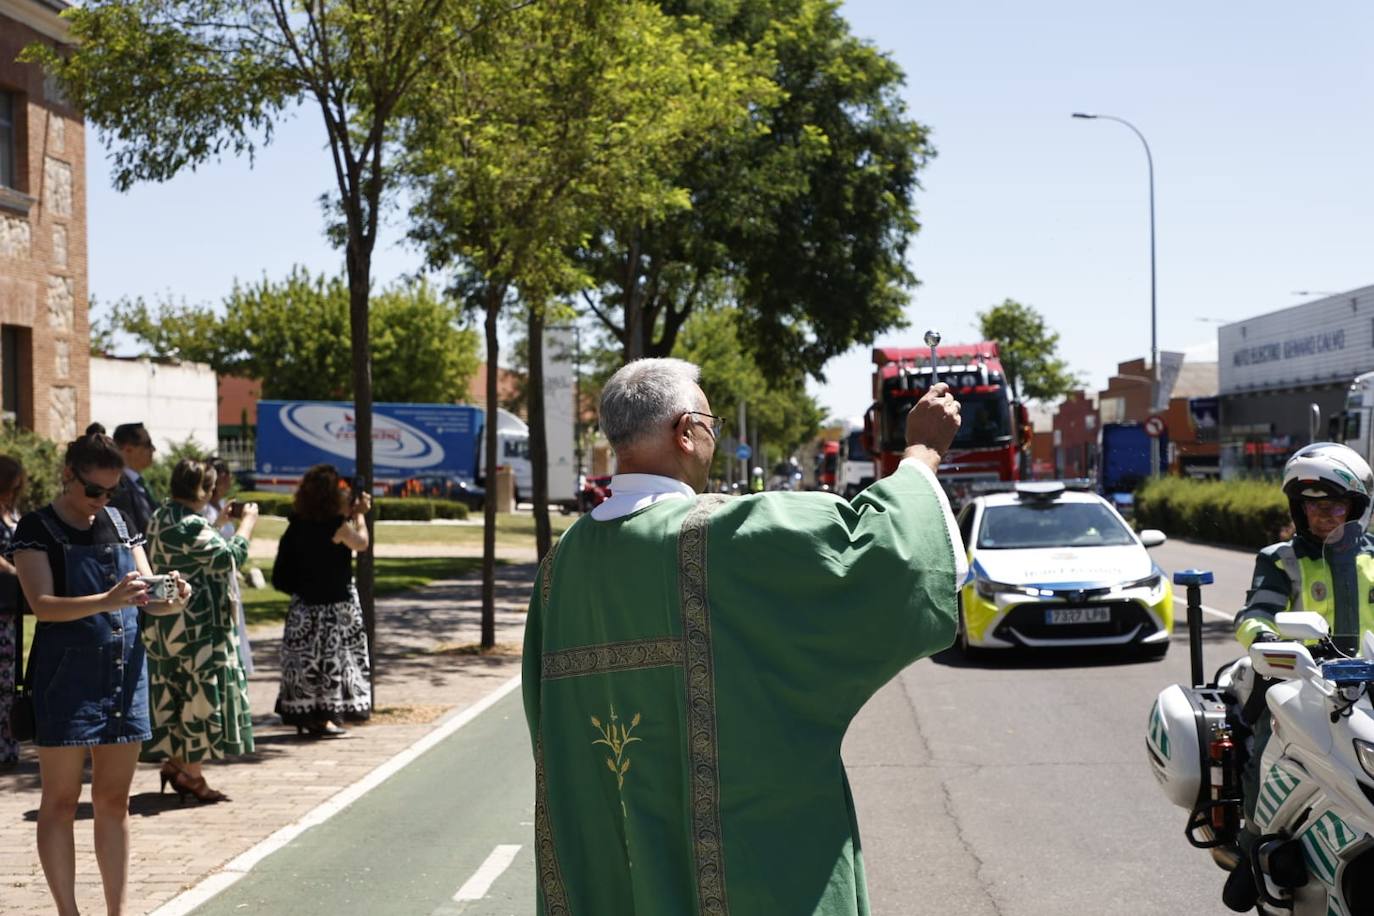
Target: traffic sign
x,y
744,452
1154,426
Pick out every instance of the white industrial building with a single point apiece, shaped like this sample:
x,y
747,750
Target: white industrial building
x,y
177,401
1284,376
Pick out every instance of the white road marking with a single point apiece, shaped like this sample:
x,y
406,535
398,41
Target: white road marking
x,y
236,868
476,887
1213,611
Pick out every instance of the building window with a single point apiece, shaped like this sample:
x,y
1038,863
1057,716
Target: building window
x,y
16,375
8,139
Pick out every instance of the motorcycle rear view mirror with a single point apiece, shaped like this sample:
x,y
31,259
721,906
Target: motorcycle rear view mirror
x,y
1283,661
1301,625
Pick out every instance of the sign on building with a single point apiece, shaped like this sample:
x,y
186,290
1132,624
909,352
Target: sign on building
x,y
1317,343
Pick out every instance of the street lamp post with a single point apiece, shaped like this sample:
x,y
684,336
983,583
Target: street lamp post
x,y
1150,162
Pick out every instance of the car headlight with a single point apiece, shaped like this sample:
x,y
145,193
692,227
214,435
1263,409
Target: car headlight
x,y
1155,582
989,589
1365,751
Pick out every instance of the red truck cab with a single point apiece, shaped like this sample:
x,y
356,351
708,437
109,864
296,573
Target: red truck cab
x,y
994,430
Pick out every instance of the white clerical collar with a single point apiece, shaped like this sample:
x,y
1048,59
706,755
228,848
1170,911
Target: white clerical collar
x,y
632,492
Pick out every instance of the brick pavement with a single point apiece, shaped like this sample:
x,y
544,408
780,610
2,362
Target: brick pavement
x,y
422,674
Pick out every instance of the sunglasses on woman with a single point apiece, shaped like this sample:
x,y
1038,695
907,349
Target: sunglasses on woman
x,y
95,490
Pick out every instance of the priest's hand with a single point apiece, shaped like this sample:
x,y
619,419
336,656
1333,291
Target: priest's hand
x,y
931,425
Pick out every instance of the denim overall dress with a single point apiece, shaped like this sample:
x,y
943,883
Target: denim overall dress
x,y
90,676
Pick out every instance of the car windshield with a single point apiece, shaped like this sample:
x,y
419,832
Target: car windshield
x,y
1052,524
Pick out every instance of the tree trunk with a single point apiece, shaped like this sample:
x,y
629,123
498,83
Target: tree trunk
x,y
539,443
359,282
634,307
495,294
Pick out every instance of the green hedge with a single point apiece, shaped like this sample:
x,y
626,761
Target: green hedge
x,y
388,508
42,462
1246,513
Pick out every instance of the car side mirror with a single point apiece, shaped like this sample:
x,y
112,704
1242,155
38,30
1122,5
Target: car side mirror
x,y
1153,537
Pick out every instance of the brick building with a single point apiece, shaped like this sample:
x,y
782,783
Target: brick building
x,y
44,330
1126,399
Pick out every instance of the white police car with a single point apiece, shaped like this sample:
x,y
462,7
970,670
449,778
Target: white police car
x,y
1052,566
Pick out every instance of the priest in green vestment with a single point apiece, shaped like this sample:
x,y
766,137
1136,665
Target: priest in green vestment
x,y
692,662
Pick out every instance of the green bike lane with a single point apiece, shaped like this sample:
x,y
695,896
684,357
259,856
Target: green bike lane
x,y
445,824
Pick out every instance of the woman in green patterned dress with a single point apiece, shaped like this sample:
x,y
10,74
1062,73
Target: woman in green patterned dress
x,y
197,690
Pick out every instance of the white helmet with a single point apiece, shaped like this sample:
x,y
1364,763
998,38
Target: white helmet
x,y
1327,469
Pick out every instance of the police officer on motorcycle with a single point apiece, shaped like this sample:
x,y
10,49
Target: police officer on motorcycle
x,y
1327,485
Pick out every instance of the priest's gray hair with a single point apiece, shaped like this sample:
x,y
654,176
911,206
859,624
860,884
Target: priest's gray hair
x,y
645,394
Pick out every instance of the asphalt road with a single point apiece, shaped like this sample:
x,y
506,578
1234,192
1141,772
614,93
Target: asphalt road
x,y
1015,786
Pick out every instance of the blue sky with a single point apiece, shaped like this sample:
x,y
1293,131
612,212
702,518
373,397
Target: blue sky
x,y
1258,116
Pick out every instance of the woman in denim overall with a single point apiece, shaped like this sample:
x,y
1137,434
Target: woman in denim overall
x,y
90,680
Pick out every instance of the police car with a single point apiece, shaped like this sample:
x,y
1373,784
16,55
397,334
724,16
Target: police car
x,y
1051,565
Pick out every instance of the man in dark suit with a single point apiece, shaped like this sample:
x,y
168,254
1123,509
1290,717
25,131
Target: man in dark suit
x,y
134,496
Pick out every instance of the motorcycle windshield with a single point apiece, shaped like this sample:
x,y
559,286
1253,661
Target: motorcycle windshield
x,y
1340,550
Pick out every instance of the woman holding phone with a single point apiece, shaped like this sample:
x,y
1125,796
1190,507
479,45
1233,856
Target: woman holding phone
x,y
79,563
325,679
224,514
197,687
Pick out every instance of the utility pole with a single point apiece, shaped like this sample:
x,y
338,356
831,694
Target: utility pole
x,y
743,436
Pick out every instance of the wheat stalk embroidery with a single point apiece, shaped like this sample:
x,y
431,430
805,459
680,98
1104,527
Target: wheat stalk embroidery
x,y
617,736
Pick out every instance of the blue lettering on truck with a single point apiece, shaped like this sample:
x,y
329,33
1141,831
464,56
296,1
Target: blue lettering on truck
x,y
407,439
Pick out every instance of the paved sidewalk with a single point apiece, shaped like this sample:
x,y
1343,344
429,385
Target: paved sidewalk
x,y
422,674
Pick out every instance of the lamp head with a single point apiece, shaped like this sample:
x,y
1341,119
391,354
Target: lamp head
x,y
932,338
1079,114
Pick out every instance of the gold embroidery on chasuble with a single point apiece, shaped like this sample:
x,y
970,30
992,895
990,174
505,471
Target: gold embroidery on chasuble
x,y
692,652
610,657
551,885
700,678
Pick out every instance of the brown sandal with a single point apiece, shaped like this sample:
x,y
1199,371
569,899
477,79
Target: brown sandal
x,y
185,784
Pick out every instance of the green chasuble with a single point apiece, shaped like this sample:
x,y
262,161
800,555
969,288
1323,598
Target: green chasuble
x,y
689,673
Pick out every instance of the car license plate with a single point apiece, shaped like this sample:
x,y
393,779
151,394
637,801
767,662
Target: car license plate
x,y
1078,615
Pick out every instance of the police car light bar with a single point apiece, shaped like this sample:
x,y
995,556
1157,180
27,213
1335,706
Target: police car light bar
x,y
1032,489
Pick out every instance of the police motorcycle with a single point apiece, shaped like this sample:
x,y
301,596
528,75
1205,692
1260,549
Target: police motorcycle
x,y
1314,816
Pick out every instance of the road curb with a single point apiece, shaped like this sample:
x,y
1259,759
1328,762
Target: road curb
x,y
238,867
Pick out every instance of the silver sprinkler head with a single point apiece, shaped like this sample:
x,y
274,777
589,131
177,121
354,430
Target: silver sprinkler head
x,y
933,341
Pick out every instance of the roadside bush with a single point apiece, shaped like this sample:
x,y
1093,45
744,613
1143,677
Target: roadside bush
x,y
391,509
42,461
388,508
394,508
1245,513
268,503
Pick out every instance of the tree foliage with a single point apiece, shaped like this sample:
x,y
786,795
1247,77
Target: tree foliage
x,y
293,336
779,410
1029,351
573,114
801,218
176,83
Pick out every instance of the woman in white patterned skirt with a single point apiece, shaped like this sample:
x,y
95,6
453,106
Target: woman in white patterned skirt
x,y
325,679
